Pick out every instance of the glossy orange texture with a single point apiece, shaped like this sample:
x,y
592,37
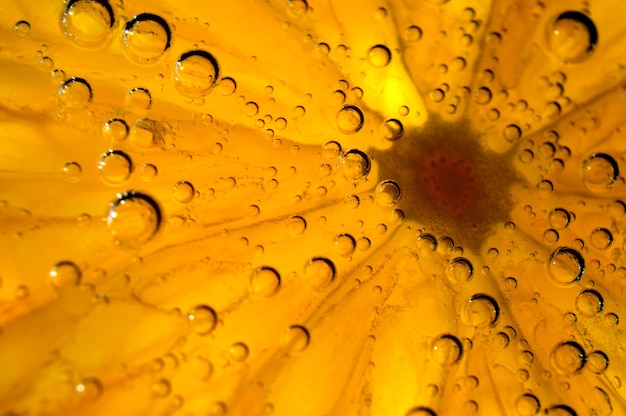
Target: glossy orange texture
x,y
222,208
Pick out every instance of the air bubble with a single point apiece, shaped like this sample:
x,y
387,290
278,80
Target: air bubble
x,y
447,350
239,351
482,96
115,130
319,272
133,219
559,218
568,358
392,129
297,8
296,225
72,172
344,245
115,167
74,95
161,388
512,133
88,23
598,362
196,73
89,389
183,192
139,100
388,193
600,172
413,34
459,270
379,56
144,133
202,319
350,119
426,244
295,338
146,38
589,302
421,411
566,266
354,164
572,37
65,274
481,311
527,405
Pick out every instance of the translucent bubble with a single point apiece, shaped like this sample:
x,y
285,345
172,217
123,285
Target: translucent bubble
x,y
161,387
65,274
139,100
566,266
355,164
196,73
527,405
239,351
598,362
72,172
350,119
146,38
559,218
601,238
264,282
589,302
600,172
459,270
379,56
297,8
115,130
392,129
482,95
295,338
447,350
560,410
144,133
133,219
426,244
202,319
413,34
89,389
388,193
421,411
344,245
568,358
550,236
319,272
482,310
251,109
115,167
512,133
148,172
74,95
227,86
572,36
296,225
88,23
21,29
183,192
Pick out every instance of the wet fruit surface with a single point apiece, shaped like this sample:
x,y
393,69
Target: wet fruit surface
x,y
295,207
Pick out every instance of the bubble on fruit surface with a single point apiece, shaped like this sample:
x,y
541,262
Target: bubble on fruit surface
x,y
65,274
355,164
162,387
144,133
296,225
597,362
133,219
344,245
388,193
566,266
481,310
512,133
527,405
146,38
115,167
459,270
589,302
559,218
21,29
297,8
239,351
350,119
138,100
72,171
319,273
600,172
202,319
379,56
426,244
447,350
183,192
421,411
74,95
88,23
601,238
295,338
265,281
392,129
89,389
196,73
115,130
568,358
572,36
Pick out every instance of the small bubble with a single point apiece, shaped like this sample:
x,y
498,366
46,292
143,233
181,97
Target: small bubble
x,y
589,302
196,73
148,172
296,225
482,95
57,76
251,109
139,100
598,362
509,284
239,351
447,350
559,218
72,172
202,319
426,244
413,34
355,164
379,56
88,23
65,274
437,95
21,29
74,95
572,36
115,130
295,338
133,219
601,238
388,193
146,38
161,388
392,129
350,119
265,281
227,86
482,310
144,133
527,405
545,188
460,270
560,410
600,172
568,358
512,133
421,411
550,236
46,63
344,245
115,167
319,272
183,192
89,389
566,266
297,8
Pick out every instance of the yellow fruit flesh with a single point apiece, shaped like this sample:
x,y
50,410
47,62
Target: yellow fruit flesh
x,y
230,222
